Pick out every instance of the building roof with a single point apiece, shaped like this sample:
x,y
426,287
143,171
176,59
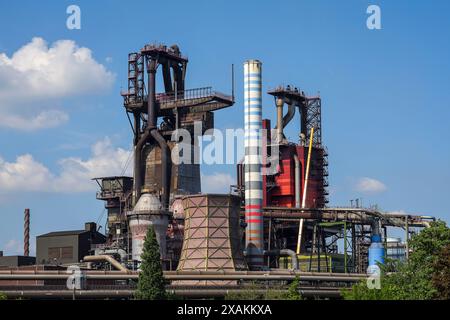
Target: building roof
x,y
16,261
63,233
112,178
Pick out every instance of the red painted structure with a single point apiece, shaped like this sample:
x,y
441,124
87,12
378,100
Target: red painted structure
x,y
279,189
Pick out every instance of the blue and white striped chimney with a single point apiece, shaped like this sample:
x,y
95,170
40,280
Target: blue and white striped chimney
x,y
252,164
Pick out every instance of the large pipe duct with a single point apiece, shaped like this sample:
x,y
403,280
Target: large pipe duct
x,y
26,233
107,258
138,180
279,125
252,164
274,274
284,252
120,252
288,116
151,112
166,166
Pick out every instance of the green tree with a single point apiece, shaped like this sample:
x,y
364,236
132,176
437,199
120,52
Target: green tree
x,y
441,276
412,280
3,296
151,284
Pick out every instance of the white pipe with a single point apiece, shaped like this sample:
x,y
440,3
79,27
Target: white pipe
x,y
284,252
297,181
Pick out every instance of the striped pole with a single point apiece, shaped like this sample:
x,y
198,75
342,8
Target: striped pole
x,y
26,233
252,164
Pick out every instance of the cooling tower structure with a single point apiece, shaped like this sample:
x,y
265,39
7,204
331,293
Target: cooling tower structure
x,y
146,214
212,233
252,164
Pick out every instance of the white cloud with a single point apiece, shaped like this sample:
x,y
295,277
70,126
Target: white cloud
x,y
35,79
217,183
44,119
27,174
23,174
370,185
104,161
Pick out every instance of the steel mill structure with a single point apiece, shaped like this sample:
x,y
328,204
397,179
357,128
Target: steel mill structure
x,y
275,224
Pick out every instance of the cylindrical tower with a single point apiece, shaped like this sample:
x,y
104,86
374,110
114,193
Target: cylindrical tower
x,y
147,214
252,164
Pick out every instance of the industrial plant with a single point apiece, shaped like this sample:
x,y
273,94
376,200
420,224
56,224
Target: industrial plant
x,y
276,223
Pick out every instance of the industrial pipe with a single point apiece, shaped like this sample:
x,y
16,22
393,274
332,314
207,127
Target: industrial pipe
x,y
122,253
279,126
288,116
109,259
166,168
284,252
187,293
151,99
275,275
297,181
138,165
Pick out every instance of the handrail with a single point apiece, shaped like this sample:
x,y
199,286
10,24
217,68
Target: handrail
x,y
195,93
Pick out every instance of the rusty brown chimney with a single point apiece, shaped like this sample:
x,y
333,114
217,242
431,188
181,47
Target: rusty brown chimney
x,y
26,233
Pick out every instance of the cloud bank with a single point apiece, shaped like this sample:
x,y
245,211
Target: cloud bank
x,y
37,78
75,174
370,185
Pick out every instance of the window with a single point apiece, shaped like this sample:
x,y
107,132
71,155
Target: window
x,y
60,253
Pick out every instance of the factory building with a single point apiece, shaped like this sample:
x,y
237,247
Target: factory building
x,y
66,247
15,261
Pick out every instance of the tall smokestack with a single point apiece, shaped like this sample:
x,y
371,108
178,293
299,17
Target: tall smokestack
x,y
252,164
26,233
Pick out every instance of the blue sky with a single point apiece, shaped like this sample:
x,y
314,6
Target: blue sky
x,y
386,97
